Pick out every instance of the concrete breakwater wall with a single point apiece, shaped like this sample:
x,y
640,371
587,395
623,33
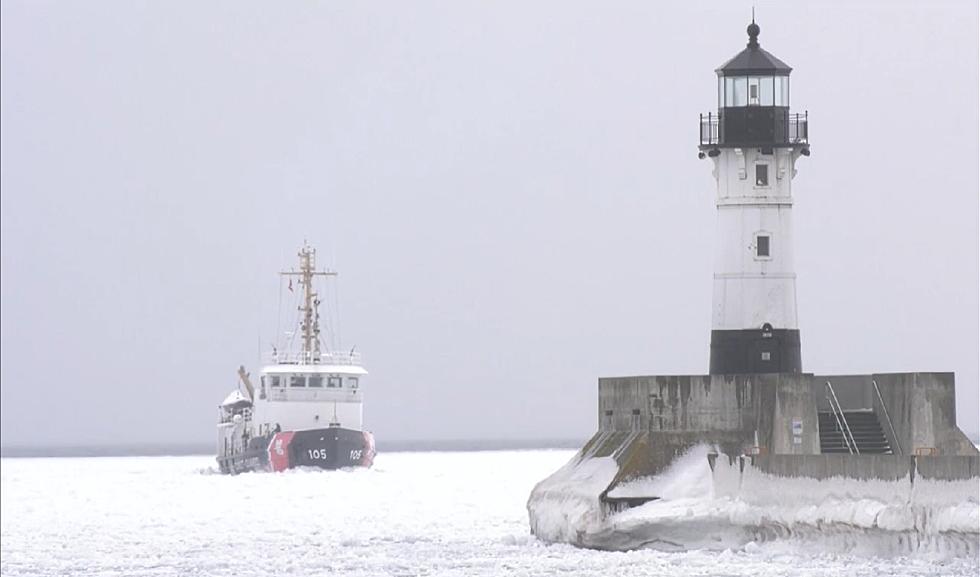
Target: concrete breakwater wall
x,y
861,467
778,412
767,424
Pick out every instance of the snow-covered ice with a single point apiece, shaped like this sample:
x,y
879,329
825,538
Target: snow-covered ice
x,y
723,509
413,514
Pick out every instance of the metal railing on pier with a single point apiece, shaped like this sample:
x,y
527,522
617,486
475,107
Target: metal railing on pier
x,y
842,425
888,419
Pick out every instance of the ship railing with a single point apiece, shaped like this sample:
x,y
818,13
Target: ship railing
x,y
229,416
312,358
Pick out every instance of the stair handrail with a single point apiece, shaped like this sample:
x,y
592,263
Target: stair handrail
x,y
846,430
840,427
898,443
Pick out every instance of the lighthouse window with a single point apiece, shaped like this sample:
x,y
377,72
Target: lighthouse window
x,y
781,91
765,91
753,91
315,381
297,381
762,175
762,246
741,90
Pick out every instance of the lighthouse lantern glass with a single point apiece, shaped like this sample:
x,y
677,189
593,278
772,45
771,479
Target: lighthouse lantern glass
x,y
737,91
766,95
781,91
740,91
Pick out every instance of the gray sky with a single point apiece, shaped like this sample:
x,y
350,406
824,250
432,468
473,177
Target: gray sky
x,y
511,192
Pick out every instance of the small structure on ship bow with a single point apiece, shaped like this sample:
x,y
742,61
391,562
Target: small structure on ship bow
x,y
307,408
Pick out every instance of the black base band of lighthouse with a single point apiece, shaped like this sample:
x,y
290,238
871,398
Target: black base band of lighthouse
x,y
764,350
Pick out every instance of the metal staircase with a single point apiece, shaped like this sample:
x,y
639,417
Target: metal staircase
x,y
854,432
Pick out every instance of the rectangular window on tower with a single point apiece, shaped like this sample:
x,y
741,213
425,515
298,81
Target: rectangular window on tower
x,y
762,175
762,246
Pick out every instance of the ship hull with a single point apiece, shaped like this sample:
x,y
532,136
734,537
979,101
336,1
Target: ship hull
x,y
329,448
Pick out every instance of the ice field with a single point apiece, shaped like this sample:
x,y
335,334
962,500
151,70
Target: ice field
x,y
422,513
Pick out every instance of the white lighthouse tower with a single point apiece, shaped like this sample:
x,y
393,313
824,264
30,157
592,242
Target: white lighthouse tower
x,y
754,142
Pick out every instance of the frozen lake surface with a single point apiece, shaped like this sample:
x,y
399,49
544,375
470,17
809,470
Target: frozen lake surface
x,y
435,513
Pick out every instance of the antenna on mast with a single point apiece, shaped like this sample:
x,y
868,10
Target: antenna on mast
x,y
310,325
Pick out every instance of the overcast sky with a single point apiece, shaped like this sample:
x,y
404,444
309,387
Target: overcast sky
x,y
510,191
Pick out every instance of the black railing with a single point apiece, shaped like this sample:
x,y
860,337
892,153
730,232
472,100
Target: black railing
x,y
753,126
797,128
708,129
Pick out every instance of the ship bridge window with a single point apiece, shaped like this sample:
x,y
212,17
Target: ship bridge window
x,y
333,382
352,382
315,381
274,381
297,381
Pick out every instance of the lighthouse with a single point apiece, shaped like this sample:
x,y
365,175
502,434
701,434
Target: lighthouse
x,y
754,142
765,427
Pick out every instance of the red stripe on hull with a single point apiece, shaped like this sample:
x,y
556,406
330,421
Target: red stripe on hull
x,y
279,450
367,457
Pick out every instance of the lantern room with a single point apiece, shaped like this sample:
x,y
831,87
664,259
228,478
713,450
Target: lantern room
x,y
753,103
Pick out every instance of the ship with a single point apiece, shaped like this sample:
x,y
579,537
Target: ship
x,y
308,406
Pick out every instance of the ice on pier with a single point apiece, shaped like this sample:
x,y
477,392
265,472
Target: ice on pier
x,y
728,507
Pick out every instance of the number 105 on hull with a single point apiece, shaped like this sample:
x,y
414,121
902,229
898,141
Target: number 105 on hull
x,y
330,448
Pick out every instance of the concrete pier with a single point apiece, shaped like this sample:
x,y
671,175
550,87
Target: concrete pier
x,y
767,423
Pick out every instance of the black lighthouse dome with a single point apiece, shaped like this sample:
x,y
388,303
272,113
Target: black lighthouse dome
x,y
753,102
754,60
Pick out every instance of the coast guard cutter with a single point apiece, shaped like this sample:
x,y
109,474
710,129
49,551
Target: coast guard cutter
x,y
307,408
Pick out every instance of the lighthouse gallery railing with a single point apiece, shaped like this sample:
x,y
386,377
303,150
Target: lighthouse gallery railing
x,y
797,128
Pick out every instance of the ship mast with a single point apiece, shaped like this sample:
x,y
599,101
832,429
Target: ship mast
x,y
311,302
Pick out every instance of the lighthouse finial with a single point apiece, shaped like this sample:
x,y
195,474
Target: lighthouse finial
x,y
753,31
